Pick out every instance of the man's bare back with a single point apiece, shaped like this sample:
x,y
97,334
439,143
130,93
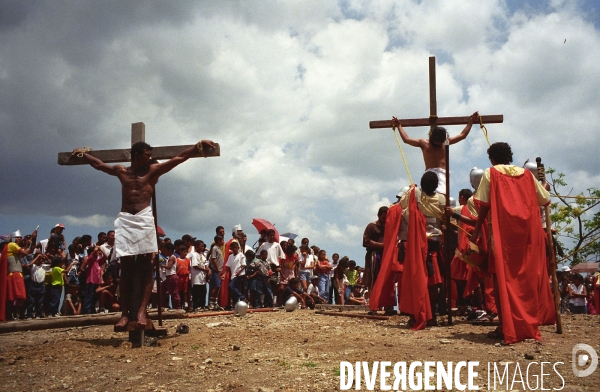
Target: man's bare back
x,y
433,150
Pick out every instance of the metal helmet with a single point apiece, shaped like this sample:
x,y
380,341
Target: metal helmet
x,y
15,234
475,177
291,304
240,308
532,167
235,230
402,192
452,202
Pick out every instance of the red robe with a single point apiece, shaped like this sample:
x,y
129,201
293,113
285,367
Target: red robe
x,y
224,294
382,293
519,255
3,286
474,275
414,295
458,267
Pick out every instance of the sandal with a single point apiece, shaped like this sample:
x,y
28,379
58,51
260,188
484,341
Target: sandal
x,y
496,334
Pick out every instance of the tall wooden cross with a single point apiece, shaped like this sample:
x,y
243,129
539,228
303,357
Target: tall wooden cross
x,y
138,134
432,122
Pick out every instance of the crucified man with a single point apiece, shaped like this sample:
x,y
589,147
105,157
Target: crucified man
x,y
135,234
433,150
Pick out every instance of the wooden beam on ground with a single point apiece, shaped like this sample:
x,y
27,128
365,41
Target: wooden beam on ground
x,y
124,155
424,122
343,308
366,316
228,312
76,321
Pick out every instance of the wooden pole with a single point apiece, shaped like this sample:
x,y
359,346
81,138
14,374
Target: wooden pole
x,y
553,266
447,254
157,259
365,316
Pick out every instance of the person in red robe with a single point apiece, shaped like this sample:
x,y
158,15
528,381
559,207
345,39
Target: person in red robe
x,y
382,293
509,198
422,273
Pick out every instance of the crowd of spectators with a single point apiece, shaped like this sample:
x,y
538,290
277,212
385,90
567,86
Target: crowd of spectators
x,y
50,278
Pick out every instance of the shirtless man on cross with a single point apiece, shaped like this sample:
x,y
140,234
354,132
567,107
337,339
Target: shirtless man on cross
x,y
135,234
433,150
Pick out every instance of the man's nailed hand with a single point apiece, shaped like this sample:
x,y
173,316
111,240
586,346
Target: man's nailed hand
x,y
395,123
208,143
78,152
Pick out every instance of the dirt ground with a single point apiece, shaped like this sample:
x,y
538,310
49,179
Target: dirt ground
x,y
296,351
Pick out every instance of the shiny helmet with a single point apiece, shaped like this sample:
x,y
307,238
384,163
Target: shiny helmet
x,y
452,202
235,230
291,304
15,234
240,308
475,177
402,192
532,167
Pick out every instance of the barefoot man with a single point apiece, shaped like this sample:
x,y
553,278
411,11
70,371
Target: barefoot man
x,y
434,153
135,234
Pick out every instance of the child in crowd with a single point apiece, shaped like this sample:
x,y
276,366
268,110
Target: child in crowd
x,y
72,303
183,276
313,291
251,275
259,286
306,266
356,296
288,265
107,294
170,270
322,269
339,280
236,263
577,295
352,277
294,289
200,273
73,262
56,288
37,288
215,263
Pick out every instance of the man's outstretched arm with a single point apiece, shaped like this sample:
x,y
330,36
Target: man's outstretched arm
x,y
465,132
99,165
162,168
408,140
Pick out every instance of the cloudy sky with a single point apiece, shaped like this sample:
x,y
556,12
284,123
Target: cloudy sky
x,y
288,89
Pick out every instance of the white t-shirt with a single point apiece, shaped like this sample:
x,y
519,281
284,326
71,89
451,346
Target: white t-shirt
x,y
274,251
234,262
173,269
577,301
310,262
198,259
312,288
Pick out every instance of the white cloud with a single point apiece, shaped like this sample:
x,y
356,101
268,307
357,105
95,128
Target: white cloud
x,y
96,221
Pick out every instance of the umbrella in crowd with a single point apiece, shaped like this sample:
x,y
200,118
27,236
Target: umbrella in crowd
x,y
589,268
263,224
290,235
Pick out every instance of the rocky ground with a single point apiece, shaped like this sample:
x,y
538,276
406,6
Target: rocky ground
x,y
297,351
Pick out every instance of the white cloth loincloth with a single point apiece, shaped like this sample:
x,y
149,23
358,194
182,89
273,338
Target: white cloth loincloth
x,y
135,234
441,175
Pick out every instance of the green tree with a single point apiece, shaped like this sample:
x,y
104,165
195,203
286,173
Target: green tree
x,y
576,218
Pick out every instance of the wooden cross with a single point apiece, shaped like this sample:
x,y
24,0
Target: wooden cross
x,y
138,134
432,122
433,119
